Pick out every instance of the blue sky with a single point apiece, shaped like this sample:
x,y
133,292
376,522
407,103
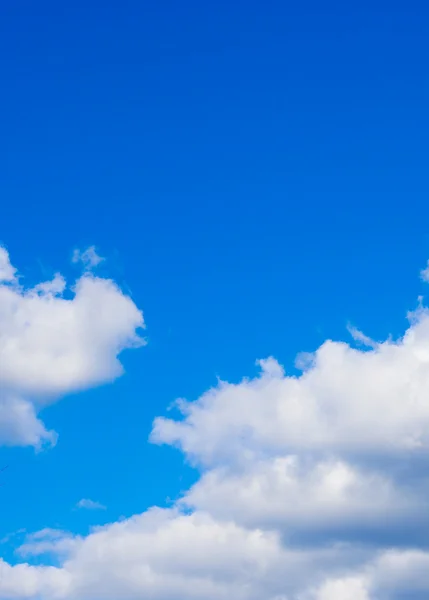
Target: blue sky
x,y
255,176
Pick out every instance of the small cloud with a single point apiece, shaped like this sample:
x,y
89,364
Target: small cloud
x,y
360,337
9,536
90,504
424,273
89,257
55,287
270,367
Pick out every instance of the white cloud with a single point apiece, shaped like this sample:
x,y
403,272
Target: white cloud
x,y
90,504
351,588
348,401
89,257
163,554
25,581
19,424
51,345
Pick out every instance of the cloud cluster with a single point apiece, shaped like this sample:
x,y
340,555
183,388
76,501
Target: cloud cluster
x,y
55,340
312,487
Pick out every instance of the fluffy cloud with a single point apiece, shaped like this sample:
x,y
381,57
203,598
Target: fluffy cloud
x,y
163,554
347,401
312,487
54,341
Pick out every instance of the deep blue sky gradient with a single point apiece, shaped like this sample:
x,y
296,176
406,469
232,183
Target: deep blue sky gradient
x,y
255,174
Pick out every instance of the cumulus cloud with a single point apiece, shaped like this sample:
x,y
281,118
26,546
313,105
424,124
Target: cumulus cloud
x,y
52,344
312,487
348,401
163,554
90,504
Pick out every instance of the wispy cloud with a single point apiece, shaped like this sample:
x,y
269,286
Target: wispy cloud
x,y
89,257
90,504
360,337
